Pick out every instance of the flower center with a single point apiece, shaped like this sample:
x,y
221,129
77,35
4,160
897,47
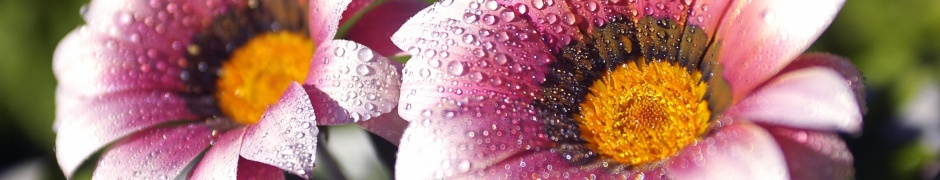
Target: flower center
x,y
638,114
259,72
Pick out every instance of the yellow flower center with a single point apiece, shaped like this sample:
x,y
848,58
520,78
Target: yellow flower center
x,y
260,71
638,114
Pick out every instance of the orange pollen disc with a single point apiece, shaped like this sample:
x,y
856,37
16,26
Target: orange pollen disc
x,y
259,72
642,114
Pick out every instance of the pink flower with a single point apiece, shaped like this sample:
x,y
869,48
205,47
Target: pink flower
x,y
160,82
625,89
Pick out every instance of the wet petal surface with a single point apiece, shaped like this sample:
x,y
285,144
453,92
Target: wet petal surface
x,y
286,136
221,161
92,123
467,90
324,17
351,83
814,154
159,153
389,126
131,45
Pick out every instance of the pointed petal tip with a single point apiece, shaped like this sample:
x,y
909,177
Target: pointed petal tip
x,y
348,82
286,135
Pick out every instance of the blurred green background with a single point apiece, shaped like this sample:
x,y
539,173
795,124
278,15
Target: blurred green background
x,y
896,44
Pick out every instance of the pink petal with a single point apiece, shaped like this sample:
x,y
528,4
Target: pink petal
x,y
89,63
324,19
91,123
375,28
389,126
221,161
131,45
159,153
248,169
737,151
555,22
814,154
467,92
286,135
65,101
811,97
454,147
598,12
838,64
758,38
478,64
708,15
548,164
352,83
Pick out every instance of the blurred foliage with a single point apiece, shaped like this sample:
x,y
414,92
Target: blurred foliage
x,y
894,43
29,32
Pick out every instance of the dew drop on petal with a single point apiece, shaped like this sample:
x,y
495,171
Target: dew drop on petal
x,y
364,70
339,52
456,68
522,8
490,19
470,18
491,5
508,15
434,63
464,166
366,55
538,4
501,59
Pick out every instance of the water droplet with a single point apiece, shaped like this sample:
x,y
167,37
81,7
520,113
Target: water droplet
x,y
426,113
424,73
591,6
490,19
301,135
476,77
551,18
456,68
508,15
569,18
449,114
491,5
501,59
538,4
364,70
339,51
305,125
470,18
522,8
469,38
434,63
464,166
370,106
365,55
